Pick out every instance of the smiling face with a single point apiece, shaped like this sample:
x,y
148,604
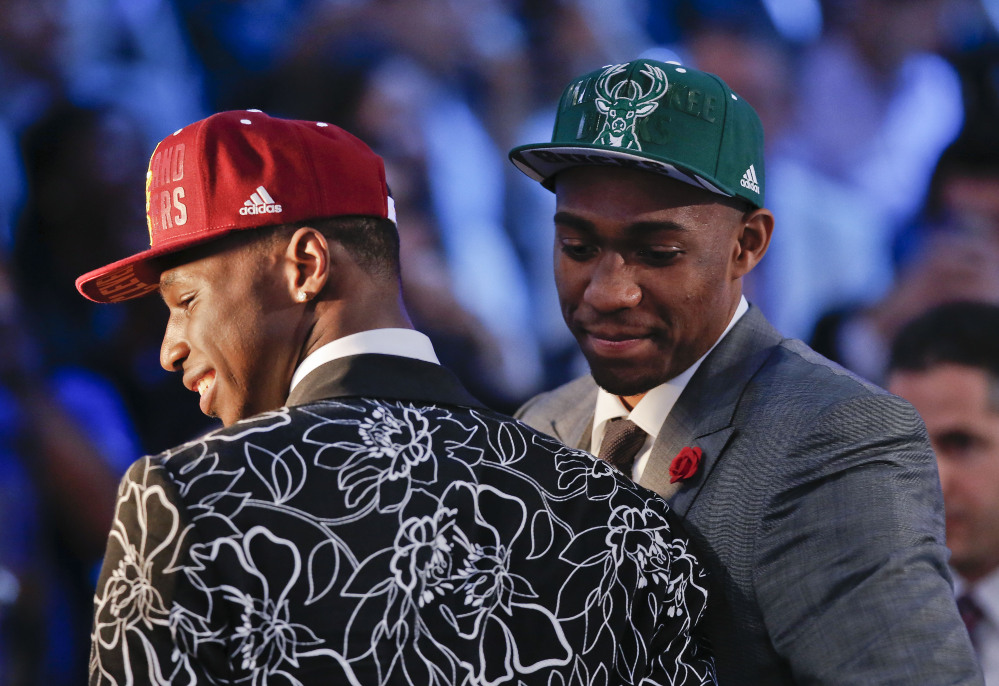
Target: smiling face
x,y
958,404
648,272
232,330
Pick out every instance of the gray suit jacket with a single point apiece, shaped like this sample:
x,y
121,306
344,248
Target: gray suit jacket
x,y
817,509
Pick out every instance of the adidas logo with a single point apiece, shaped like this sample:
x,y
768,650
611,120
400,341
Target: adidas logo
x,y
260,202
749,180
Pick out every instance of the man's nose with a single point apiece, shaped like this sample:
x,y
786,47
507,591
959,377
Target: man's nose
x,y
174,349
612,285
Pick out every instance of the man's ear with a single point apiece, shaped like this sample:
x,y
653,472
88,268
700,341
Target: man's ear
x,y
308,261
756,228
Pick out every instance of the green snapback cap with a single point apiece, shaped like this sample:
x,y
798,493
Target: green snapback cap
x,y
659,117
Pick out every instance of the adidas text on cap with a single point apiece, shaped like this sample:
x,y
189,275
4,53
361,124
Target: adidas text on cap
x,y
660,117
243,170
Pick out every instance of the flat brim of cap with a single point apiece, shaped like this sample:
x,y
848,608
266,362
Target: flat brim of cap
x,y
542,161
137,275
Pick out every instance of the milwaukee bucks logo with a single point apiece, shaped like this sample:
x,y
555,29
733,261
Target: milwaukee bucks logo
x,y
626,103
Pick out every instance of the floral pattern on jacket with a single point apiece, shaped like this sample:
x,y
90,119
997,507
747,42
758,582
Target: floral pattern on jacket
x,y
385,542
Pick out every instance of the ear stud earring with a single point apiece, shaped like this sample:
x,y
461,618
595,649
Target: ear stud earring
x,y
302,296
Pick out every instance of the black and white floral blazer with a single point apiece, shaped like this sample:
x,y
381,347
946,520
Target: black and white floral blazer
x,y
383,529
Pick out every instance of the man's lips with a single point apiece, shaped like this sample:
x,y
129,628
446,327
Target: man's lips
x,y
614,341
199,381
205,382
615,336
202,384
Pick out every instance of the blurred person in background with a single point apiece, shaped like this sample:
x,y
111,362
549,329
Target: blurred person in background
x,y
93,53
85,91
456,195
83,171
78,101
64,443
473,49
946,363
433,85
951,254
874,106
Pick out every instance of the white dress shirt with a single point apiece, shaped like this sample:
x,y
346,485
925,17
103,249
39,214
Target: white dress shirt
x,y
652,410
985,593
398,342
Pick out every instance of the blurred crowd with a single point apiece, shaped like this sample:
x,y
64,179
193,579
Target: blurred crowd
x,y
882,171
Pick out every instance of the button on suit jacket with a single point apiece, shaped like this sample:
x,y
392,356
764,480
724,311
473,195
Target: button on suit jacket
x,y
817,509
385,529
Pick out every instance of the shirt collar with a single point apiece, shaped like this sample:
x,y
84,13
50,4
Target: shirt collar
x,y
652,410
398,342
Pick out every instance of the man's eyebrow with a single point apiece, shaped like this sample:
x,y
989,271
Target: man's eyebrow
x,y
656,227
166,281
573,221
638,228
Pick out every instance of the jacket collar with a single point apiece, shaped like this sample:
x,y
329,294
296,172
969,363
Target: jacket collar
x,y
388,377
704,412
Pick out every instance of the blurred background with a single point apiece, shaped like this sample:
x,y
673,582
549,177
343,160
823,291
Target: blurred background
x,y
882,170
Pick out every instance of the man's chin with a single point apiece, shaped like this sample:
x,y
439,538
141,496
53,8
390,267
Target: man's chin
x,y
620,382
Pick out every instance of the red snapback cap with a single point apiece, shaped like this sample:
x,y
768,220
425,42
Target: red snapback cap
x,y
243,170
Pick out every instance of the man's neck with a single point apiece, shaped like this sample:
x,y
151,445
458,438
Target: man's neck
x,y
336,319
398,341
630,401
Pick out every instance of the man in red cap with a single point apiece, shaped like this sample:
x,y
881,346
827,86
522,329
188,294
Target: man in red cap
x,y
359,519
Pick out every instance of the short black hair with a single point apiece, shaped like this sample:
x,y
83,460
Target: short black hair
x,y
372,241
964,333
974,154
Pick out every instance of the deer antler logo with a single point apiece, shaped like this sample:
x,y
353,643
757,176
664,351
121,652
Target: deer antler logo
x,y
625,108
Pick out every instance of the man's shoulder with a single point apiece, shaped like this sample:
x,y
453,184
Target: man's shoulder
x,y
794,365
333,421
757,352
233,448
359,441
797,391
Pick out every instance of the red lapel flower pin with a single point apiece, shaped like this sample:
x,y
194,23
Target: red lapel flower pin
x,y
685,464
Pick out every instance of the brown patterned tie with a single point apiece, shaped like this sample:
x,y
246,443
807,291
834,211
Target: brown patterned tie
x,y
623,439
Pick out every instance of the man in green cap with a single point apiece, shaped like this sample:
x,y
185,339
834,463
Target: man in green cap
x,y
812,494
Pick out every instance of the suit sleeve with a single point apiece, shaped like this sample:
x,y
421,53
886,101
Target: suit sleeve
x,y
861,593
137,619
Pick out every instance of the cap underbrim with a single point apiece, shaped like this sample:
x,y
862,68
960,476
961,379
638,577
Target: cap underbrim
x,y
542,161
138,275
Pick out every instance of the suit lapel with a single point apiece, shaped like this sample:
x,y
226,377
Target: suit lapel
x,y
702,416
574,427
673,437
382,376
569,412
